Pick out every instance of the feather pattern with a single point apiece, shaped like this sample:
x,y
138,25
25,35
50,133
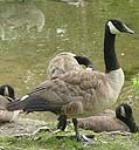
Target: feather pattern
x,y
102,123
62,63
65,62
6,116
83,90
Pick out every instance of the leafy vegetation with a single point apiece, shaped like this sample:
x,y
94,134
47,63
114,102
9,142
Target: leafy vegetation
x,y
135,81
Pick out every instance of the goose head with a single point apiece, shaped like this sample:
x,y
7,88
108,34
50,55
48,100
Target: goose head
x,y
116,27
124,113
8,91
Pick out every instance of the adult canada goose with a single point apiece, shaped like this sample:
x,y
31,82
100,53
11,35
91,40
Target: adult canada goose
x,y
66,61
80,93
123,121
7,91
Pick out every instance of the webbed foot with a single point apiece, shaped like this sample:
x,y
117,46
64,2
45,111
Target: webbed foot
x,y
84,139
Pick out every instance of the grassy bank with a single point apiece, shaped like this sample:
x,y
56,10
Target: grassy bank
x,y
49,141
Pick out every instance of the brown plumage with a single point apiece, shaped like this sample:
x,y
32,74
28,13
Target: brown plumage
x,y
123,120
7,94
102,123
65,62
6,116
78,91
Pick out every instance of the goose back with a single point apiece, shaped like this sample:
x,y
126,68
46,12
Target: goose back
x,y
90,88
62,63
102,123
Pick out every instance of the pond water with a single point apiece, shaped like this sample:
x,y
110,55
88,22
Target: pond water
x,y
32,32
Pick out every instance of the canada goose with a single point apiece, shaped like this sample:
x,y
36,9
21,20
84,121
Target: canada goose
x,y
5,115
123,121
7,91
7,94
80,93
66,61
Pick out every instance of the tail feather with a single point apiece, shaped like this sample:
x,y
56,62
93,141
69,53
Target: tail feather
x,y
34,103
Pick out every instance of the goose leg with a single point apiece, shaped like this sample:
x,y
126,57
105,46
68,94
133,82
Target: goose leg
x,y
62,122
75,122
81,138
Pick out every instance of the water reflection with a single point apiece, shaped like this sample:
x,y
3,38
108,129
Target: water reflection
x,y
20,16
76,3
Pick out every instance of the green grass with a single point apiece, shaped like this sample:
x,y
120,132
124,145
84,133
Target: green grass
x,y
47,140
135,81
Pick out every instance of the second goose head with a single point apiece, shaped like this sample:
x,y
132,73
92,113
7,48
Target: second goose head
x,y
7,91
124,113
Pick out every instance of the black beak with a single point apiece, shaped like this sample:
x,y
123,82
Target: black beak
x,y
127,29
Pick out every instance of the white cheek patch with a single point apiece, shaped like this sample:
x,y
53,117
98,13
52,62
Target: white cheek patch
x,y
24,97
113,29
123,113
6,91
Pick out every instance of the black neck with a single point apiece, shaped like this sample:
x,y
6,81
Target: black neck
x,y
111,62
131,124
84,61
